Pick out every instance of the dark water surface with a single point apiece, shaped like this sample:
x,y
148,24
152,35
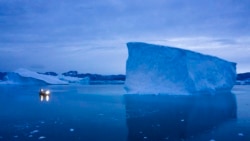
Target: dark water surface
x,y
104,113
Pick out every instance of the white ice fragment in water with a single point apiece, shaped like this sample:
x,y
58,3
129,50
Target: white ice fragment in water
x,y
182,120
240,134
42,137
212,140
71,130
145,137
34,131
30,136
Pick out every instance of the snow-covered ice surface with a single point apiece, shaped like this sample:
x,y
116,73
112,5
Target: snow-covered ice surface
x,y
103,112
155,69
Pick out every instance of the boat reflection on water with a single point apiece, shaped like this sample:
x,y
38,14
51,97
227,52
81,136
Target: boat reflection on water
x,y
176,117
44,98
44,95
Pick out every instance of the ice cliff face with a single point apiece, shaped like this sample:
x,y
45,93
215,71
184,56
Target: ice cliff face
x,y
155,69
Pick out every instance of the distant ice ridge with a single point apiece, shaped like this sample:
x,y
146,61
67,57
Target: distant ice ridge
x,y
24,76
155,69
77,80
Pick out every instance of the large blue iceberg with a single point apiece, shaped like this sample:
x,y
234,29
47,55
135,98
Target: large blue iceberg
x,y
155,69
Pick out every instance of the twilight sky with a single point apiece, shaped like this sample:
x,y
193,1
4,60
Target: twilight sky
x,y
91,35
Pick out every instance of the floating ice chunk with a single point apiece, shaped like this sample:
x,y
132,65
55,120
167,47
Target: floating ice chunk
x,y
71,130
30,136
41,137
155,69
34,131
240,134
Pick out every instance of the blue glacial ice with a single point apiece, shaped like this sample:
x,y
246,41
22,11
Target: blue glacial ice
x,y
156,69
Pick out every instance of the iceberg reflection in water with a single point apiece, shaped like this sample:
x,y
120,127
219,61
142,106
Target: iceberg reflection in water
x,y
176,117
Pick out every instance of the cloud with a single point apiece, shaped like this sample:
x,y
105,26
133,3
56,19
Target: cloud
x,y
74,32
37,67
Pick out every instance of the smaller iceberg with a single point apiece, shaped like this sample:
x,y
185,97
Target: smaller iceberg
x,y
24,76
156,69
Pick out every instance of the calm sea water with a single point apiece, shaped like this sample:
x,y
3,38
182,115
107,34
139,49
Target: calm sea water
x,y
104,113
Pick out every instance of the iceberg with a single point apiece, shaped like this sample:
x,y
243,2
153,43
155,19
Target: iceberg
x,y
24,76
156,69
